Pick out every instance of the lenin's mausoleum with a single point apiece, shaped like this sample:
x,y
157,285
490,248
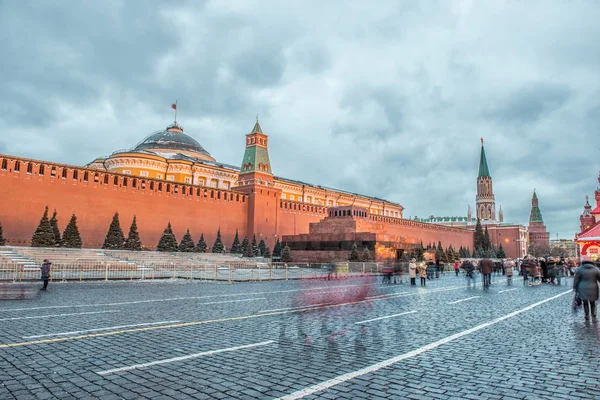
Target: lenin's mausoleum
x,y
170,177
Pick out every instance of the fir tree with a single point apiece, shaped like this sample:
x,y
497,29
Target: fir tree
x,y
43,235
2,240
167,241
277,249
71,238
114,237
187,243
218,246
286,254
439,252
236,247
267,253
133,241
404,257
354,253
479,240
262,246
255,249
366,255
479,253
487,243
248,252
201,245
501,253
474,254
55,230
244,246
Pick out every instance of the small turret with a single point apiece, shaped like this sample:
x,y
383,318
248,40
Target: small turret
x,y
500,215
586,219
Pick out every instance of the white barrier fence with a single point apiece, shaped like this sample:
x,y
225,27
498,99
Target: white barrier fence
x,y
209,271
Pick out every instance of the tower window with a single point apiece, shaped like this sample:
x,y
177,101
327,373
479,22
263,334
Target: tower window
x,y
159,186
106,179
168,188
124,182
17,166
64,173
116,181
75,174
29,168
85,176
151,185
96,178
53,171
134,183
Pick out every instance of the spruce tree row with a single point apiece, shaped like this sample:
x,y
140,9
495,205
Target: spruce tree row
x,y
168,243
47,233
115,240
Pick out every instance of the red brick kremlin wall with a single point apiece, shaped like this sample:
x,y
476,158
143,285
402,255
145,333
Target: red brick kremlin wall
x,y
94,197
94,201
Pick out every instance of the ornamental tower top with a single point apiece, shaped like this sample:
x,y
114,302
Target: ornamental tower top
x,y
485,200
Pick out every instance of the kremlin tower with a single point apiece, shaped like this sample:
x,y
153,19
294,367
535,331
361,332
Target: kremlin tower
x,y
485,204
537,230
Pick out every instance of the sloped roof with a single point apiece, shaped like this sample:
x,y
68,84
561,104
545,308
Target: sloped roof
x,y
592,233
483,165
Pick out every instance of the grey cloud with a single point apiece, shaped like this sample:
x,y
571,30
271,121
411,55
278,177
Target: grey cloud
x,y
388,101
530,103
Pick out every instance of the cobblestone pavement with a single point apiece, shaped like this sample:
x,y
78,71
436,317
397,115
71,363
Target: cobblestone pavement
x,y
298,339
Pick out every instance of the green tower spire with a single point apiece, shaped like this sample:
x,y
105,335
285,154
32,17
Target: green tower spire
x,y
536,214
483,166
256,155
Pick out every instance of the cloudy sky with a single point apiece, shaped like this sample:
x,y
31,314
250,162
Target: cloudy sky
x,y
385,98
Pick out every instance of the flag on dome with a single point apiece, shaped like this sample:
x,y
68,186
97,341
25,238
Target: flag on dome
x,y
174,106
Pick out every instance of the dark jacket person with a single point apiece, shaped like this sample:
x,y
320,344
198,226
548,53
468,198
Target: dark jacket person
x,y
46,273
585,284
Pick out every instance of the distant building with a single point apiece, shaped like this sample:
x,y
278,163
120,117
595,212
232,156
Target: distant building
x,y
563,248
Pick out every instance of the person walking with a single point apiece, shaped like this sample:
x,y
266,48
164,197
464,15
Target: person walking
x,y
508,271
456,267
485,267
423,273
469,269
45,273
412,270
587,278
544,267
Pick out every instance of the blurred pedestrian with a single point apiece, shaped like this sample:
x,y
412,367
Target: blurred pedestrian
x,y
469,269
585,285
485,267
456,267
45,273
412,270
544,266
508,271
423,273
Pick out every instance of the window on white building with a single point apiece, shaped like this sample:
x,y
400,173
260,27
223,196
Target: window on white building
x,y
188,180
143,173
283,196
